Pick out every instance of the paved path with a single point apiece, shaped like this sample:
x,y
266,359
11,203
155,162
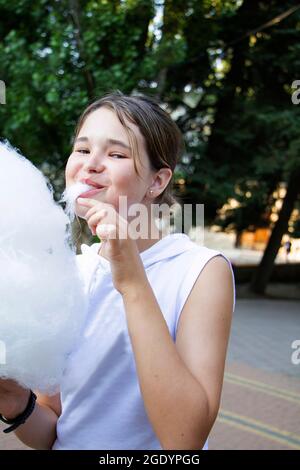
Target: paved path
x,y
262,334
260,406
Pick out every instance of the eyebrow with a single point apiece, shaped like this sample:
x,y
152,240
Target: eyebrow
x,y
108,141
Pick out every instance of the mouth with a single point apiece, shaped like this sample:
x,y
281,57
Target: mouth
x,y
91,192
91,189
92,183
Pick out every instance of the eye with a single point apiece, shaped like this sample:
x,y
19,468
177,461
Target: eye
x,y
117,155
81,151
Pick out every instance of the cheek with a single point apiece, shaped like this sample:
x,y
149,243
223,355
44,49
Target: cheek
x,y
129,183
126,180
126,184
71,170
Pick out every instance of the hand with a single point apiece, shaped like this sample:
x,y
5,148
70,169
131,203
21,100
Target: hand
x,y
13,398
117,246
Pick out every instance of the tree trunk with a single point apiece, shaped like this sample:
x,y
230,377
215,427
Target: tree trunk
x,y
172,11
216,150
264,270
238,238
88,76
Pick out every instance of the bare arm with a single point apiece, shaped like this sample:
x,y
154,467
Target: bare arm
x,y
39,430
181,383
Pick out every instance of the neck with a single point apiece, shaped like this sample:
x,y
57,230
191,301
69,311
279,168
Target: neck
x,y
143,244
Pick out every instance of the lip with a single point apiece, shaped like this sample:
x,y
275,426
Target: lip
x,y
92,183
91,192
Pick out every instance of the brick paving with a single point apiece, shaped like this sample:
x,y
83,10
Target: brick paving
x,y
262,333
260,407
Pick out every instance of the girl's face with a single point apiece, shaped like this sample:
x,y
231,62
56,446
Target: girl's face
x,y
102,154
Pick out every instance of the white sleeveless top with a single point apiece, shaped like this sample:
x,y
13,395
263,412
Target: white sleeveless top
x,y
102,405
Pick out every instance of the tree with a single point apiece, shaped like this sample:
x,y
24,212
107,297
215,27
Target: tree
x,y
263,273
247,126
224,70
59,56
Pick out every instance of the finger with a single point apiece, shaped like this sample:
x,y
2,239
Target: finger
x,y
95,219
107,231
86,201
95,206
95,215
90,213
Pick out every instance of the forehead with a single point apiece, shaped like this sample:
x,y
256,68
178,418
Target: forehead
x,y
103,124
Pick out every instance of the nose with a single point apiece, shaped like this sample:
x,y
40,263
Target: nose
x,y
94,162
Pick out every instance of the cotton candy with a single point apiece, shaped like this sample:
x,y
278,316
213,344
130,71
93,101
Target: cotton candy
x,y
70,195
42,300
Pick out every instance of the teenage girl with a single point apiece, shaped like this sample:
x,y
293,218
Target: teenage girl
x,y
147,372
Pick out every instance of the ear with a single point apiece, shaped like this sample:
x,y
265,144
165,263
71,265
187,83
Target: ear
x,y
160,181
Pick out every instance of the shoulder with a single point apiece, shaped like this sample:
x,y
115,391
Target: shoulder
x,y
217,266
214,286
200,265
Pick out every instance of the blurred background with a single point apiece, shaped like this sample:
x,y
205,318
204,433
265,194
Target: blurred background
x,y
229,74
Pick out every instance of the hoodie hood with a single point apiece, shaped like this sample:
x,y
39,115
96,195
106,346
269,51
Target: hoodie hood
x,y
169,246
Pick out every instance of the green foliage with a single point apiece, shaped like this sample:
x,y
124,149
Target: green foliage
x,y
56,58
230,91
243,127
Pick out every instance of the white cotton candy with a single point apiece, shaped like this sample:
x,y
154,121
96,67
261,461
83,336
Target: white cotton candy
x,y
42,302
70,195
